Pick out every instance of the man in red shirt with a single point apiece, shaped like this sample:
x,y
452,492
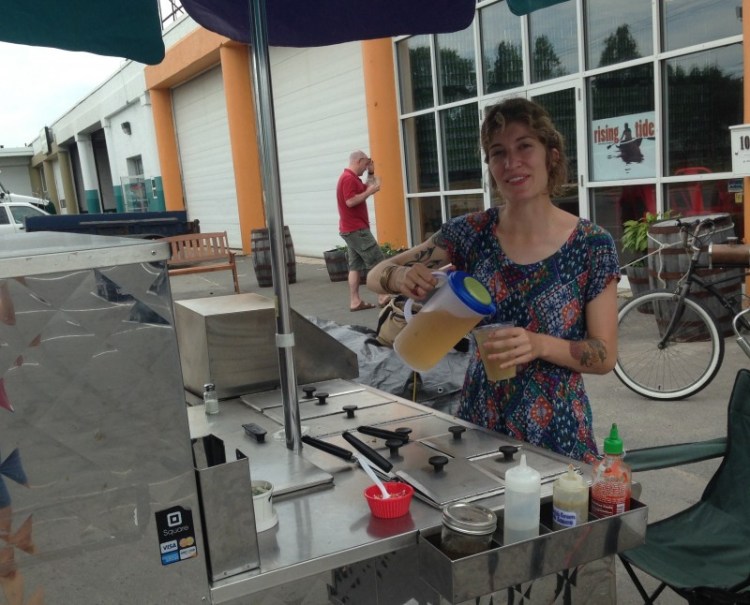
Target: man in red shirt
x,y
363,251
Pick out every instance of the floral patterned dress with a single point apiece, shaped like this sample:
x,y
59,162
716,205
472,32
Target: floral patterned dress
x,y
545,404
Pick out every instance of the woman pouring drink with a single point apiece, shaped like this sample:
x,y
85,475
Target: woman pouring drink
x,y
551,274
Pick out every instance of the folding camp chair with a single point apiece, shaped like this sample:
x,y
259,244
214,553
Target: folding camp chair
x,y
703,552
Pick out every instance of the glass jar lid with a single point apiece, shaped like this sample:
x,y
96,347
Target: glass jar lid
x,y
467,518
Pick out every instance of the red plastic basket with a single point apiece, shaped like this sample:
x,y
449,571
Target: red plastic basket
x,y
389,508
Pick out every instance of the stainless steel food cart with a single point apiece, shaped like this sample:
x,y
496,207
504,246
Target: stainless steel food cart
x,y
115,487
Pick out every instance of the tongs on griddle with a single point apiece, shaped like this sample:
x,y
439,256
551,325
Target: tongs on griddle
x,y
373,431
381,463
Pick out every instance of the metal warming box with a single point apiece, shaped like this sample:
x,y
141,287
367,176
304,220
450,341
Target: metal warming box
x,y
230,341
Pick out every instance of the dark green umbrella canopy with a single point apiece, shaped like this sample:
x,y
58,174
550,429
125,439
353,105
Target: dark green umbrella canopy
x,y
121,28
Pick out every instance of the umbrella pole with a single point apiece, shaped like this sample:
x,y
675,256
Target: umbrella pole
x,y
266,128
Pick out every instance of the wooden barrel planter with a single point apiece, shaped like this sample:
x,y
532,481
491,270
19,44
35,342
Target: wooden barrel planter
x,y
668,266
336,264
260,246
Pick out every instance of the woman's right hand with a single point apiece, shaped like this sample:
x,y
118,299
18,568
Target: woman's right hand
x,y
414,281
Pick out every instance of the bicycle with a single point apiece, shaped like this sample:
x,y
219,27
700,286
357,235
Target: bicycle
x,y
670,346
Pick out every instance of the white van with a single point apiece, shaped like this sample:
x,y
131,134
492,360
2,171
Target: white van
x,y
13,216
6,196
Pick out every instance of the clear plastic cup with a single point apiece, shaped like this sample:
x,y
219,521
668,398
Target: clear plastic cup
x,y
492,366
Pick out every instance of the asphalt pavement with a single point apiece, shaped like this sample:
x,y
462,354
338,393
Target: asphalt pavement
x,y
641,422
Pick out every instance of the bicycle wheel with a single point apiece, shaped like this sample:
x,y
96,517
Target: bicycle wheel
x,y
671,368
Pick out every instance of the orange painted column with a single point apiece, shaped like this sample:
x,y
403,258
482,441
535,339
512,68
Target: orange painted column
x,y
235,68
383,125
166,142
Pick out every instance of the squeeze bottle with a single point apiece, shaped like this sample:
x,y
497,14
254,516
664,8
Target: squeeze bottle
x,y
610,490
570,500
523,486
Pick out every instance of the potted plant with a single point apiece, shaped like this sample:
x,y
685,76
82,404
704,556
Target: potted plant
x,y
635,242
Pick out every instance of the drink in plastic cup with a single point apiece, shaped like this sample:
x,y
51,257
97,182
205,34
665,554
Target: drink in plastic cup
x,y
492,366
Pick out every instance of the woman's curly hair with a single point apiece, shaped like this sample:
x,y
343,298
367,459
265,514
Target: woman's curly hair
x,y
539,122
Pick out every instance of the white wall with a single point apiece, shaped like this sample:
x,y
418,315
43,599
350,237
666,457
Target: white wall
x,y
321,117
14,170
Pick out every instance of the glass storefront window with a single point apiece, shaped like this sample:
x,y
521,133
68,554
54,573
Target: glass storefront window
x,y
457,67
420,143
426,217
612,206
464,204
707,197
415,73
561,106
502,54
622,126
617,31
690,22
703,97
553,41
461,152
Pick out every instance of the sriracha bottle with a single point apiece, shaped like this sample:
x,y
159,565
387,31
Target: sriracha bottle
x,y
611,486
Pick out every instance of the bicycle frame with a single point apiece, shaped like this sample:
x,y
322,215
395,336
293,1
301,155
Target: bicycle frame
x,y
692,278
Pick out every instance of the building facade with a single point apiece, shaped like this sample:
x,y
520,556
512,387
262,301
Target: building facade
x,y
644,92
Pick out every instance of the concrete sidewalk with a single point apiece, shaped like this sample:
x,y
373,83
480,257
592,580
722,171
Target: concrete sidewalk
x,y
641,422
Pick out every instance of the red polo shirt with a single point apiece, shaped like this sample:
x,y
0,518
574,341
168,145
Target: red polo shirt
x,y
357,217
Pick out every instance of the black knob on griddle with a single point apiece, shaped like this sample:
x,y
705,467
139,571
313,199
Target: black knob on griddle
x,y
309,392
393,445
507,451
404,431
321,398
349,409
438,462
457,431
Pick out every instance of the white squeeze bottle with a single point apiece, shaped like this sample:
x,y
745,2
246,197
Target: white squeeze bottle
x,y
570,500
523,486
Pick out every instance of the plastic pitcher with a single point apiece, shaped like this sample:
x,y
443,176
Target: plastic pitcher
x,y
457,305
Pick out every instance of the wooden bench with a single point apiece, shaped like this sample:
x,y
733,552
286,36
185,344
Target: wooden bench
x,y
201,252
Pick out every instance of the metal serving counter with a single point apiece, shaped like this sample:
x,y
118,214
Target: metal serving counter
x,y
325,524
110,467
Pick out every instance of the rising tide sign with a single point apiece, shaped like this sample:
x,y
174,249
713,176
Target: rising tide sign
x,y
623,147
740,149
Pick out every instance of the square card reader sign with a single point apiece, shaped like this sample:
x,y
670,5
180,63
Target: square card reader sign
x,y
740,149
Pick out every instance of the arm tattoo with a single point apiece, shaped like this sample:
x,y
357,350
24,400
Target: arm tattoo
x,y
426,256
588,352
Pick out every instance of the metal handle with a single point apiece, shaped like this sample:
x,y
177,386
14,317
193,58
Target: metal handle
x,y
382,433
366,450
330,448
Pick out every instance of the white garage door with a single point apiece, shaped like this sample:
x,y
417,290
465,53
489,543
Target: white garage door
x,y
200,116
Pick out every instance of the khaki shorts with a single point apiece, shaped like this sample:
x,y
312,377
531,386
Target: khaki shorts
x,y
362,250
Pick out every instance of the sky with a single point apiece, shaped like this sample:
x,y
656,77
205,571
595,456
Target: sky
x,y
40,84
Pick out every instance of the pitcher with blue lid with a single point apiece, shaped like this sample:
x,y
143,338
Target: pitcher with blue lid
x,y
458,303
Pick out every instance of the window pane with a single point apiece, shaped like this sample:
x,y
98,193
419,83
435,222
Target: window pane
x,y
502,62
415,73
554,42
420,146
618,31
703,98
456,66
561,106
689,22
464,204
707,197
461,151
425,217
612,206
622,132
